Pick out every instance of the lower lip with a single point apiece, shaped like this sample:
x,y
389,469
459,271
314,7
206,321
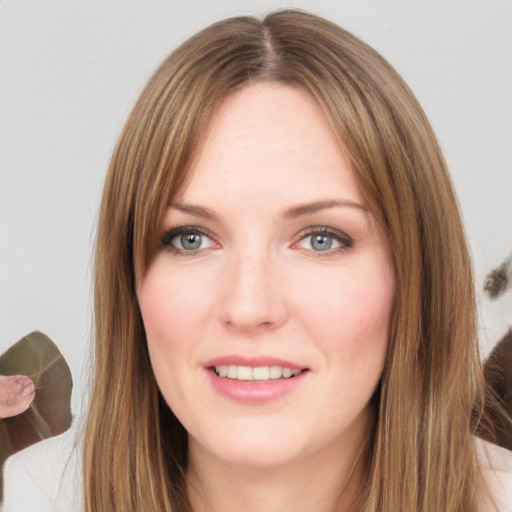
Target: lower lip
x,y
255,393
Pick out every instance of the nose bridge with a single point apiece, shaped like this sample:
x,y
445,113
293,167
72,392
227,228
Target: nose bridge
x,y
250,296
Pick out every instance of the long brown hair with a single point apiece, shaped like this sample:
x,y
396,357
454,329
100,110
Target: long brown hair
x,y
421,456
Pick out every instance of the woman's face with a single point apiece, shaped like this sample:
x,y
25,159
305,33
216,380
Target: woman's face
x,y
267,305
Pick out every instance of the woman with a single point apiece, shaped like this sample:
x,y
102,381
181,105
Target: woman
x,y
283,296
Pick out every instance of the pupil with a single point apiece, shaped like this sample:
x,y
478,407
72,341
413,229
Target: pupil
x,y
191,241
321,242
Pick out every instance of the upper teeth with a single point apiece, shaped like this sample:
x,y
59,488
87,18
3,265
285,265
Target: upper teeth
x,y
255,373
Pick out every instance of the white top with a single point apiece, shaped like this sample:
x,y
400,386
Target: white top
x,y
496,463
46,476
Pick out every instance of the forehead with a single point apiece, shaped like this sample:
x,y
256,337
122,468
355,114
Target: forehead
x,y
270,138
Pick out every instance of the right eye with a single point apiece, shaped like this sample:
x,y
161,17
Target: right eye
x,y
186,240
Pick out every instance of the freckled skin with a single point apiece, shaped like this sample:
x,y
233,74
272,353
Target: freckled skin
x,y
257,286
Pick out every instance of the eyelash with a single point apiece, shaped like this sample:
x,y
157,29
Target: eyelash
x,y
169,236
344,240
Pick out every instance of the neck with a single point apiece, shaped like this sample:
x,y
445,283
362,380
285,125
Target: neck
x,y
327,481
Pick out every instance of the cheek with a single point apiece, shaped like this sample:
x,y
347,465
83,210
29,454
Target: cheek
x,y
173,305
171,310
356,304
349,317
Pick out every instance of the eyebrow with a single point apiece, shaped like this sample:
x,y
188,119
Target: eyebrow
x,y
290,213
315,206
196,210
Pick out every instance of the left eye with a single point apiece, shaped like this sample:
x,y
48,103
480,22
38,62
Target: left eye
x,y
322,241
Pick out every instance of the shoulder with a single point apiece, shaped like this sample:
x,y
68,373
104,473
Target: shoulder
x,y
496,465
45,476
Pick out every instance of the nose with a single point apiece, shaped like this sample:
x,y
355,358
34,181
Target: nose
x,y
251,298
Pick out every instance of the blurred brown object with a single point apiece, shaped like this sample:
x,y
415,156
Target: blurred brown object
x,y
498,373
499,280
36,356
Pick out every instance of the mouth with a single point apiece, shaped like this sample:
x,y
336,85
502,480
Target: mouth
x,y
257,380
256,373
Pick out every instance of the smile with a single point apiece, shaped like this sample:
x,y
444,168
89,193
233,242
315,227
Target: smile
x,y
255,373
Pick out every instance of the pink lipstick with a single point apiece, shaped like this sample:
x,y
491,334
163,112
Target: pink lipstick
x,y
254,380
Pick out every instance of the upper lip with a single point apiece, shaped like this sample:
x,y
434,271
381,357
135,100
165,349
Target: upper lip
x,y
253,361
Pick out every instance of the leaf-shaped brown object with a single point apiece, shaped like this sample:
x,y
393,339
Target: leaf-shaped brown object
x,y
38,357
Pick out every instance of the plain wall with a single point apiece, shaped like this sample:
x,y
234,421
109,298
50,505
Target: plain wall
x,y
70,72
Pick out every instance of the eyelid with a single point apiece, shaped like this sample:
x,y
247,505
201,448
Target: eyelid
x,y
346,242
170,234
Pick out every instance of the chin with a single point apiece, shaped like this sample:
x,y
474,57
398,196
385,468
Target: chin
x,y
261,444
256,455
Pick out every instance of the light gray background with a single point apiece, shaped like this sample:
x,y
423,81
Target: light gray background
x,y
70,72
